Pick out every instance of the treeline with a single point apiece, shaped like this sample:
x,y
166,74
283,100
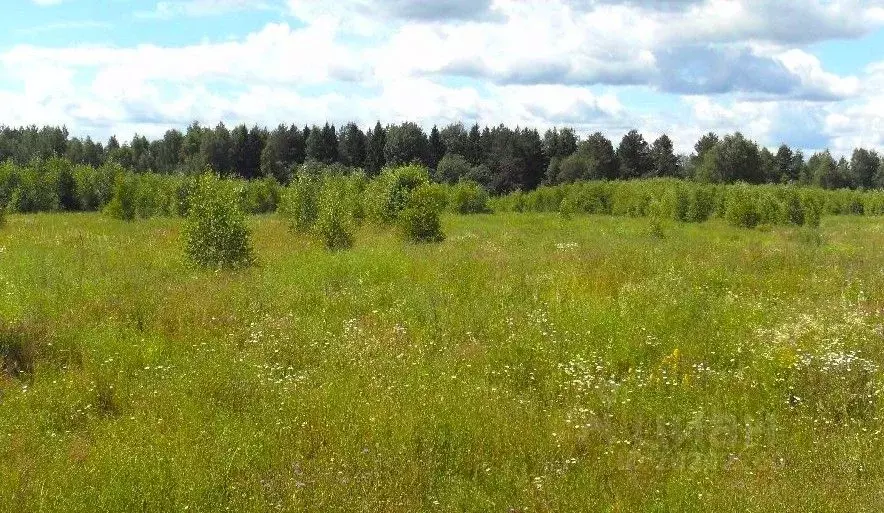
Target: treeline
x,y
500,158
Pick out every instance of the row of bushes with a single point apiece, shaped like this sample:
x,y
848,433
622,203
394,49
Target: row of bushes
x,y
740,204
57,185
333,205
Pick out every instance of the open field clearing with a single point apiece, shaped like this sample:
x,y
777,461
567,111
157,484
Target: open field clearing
x,y
527,363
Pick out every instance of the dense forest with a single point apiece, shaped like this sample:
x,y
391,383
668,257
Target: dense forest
x,y
501,159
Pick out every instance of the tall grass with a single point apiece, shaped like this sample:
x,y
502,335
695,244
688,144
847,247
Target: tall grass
x,y
528,363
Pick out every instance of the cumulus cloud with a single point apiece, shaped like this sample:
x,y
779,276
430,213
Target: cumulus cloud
x,y
720,65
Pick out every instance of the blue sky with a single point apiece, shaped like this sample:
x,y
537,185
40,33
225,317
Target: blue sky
x,y
806,72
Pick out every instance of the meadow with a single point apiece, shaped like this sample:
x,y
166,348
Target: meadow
x,y
530,362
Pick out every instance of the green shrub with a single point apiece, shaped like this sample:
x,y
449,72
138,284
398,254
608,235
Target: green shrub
x,y
874,203
592,197
793,209
215,231
469,198
702,203
812,210
741,209
184,190
335,224
261,196
155,196
36,191
676,203
657,211
419,219
771,210
302,201
568,207
387,195
122,204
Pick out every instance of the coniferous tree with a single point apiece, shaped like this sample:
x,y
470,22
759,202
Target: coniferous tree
x,y
784,166
352,146
665,163
374,154
601,150
634,156
475,153
436,148
314,144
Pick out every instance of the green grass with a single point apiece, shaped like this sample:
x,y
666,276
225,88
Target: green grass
x,y
528,363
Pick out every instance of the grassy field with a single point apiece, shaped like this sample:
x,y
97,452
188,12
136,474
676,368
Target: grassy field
x,y
528,363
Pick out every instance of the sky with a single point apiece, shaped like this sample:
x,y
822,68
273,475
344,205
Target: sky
x,y
809,73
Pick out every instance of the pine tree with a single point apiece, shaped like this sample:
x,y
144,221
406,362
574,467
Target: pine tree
x,y
665,163
374,154
634,156
436,148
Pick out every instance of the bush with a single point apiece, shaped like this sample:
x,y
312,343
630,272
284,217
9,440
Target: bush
x,y
419,218
388,194
741,209
676,203
568,207
260,196
812,205
451,168
215,232
335,224
122,204
302,202
469,198
701,203
793,210
771,211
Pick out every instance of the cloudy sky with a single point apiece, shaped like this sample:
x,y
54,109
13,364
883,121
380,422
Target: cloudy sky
x,y
806,72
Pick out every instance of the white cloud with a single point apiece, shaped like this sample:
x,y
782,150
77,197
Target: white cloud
x,y
198,8
723,64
